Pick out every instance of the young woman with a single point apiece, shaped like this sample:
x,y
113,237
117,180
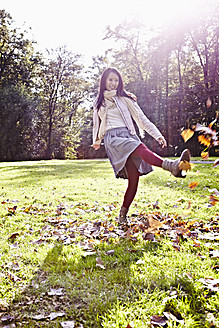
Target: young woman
x,y
114,109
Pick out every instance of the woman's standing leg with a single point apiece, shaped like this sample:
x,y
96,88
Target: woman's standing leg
x,y
133,179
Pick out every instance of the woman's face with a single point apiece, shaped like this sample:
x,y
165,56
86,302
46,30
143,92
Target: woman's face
x,y
112,81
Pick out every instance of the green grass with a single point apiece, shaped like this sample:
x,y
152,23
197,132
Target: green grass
x,y
141,278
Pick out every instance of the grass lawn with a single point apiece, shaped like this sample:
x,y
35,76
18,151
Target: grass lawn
x,y
65,262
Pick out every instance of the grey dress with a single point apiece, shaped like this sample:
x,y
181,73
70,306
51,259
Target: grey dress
x,y
119,145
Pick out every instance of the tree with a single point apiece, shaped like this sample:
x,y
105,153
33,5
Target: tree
x,y
18,61
20,136
63,90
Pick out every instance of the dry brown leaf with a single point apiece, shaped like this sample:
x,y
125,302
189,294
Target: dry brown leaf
x,y
14,236
187,134
100,263
153,223
189,205
129,326
158,320
213,200
216,162
193,185
186,166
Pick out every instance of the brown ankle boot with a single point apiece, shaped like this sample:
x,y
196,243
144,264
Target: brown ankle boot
x,y
173,165
122,215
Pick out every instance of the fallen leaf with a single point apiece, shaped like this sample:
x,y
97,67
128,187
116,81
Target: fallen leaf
x,y
148,236
100,263
14,236
55,292
214,253
153,222
172,317
216,162
6,318
158,320
193,185
39,317
67,324
110,252
140,262
189,205
213,200
55,315
12,210
210,283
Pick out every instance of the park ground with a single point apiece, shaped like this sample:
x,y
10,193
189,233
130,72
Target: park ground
x,y
65,261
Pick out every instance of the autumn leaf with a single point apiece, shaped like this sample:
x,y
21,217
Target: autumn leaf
x,y
12,210
204,140
205,154
193,185
68,324
55,292
172,317
14,236
39,317
100,263
187,134
158,320
55,315
186,166
110,252
153,222
208,102
210,283
216,162
214,253
213,200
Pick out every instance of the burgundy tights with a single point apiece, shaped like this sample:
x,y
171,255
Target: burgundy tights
x,y
133,175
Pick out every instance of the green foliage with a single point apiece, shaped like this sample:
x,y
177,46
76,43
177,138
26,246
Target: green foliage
x,y
19,116
18,60
172,71
63,89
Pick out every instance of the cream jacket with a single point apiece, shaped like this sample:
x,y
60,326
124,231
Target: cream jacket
x,y
129,110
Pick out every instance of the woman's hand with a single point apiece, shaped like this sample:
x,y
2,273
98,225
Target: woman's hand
x,y
162,142
96,147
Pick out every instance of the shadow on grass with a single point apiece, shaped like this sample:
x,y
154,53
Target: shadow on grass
x,y
82,291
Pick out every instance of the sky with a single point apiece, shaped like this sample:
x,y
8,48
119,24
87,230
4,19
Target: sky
x,y
81,24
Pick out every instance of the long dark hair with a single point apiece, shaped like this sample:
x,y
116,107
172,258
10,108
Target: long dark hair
x,y
120,89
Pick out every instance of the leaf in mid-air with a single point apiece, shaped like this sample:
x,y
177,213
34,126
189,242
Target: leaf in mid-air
x,y
187,134
205,154
185,166
204,140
